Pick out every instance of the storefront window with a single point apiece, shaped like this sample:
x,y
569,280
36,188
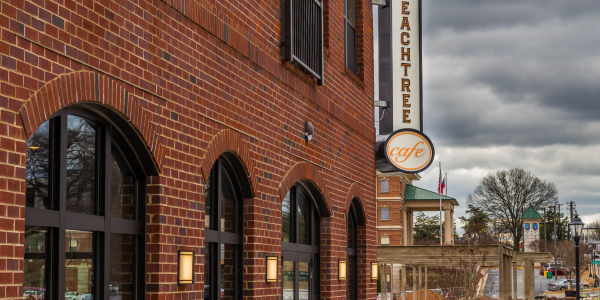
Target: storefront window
x,y
351,270
36,261
300,246
38,168
222,277
122,266
81,165
80,272
81,243
286,219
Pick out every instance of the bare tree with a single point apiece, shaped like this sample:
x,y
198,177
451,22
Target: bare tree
x,y
564,255
461,274
593,234
506,194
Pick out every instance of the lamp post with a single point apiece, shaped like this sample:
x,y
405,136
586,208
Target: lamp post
x,y
576,226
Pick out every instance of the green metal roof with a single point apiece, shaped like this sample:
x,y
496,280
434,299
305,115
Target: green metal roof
x,y
531,213
412,192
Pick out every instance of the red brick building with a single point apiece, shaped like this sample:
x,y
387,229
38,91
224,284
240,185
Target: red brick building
x,y
131,130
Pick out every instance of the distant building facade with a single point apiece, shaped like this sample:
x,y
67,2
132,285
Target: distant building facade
x,y
531,228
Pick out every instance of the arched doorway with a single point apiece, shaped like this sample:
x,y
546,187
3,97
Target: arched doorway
x,y
300,220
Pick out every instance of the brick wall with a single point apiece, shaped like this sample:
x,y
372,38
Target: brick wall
x,y
392,200
195,78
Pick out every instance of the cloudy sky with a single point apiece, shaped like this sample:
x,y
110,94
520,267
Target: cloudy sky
x,y
514,84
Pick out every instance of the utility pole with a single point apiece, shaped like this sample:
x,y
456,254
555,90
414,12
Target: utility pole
x,y
571,205
571,208
545,238
555,227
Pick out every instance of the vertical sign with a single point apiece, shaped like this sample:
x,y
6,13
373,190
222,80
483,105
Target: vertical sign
x,y
406,65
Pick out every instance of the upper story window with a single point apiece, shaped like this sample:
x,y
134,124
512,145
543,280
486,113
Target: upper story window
x,y
84,224
385,186
303,35
350,34
385,213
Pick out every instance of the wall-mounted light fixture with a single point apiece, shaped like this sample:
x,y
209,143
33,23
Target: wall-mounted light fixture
x,y
185,269
374,271
308,131
271,274
341,270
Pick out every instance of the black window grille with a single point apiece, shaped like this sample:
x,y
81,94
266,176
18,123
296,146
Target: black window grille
x,y
303,42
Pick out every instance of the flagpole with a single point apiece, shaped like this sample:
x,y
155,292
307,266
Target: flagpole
x,y
440,194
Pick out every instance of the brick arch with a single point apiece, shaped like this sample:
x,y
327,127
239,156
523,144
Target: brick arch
x,y
229,141
309,175
85,87
356,192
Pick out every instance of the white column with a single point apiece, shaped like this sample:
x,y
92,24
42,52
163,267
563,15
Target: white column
x,y
405,227
448,231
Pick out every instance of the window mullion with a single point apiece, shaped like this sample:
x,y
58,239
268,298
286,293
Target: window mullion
x,y
294,213
62,205
104,198
217,198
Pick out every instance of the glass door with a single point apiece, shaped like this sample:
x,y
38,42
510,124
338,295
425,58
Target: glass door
x,y
298,277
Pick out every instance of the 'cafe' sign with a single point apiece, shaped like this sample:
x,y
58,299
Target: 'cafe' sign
x,y
408,150
401,145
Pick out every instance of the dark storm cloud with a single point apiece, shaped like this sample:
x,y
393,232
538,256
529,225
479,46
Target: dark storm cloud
x,y
464,15
511,83
523,73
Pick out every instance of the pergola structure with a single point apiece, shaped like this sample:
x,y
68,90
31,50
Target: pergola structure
x,y
500,256
418,199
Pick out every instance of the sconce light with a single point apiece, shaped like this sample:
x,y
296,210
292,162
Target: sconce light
x,y
374,271
271,275
341,270
308,131
185,270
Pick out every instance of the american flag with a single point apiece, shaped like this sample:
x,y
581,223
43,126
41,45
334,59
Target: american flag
x,y
441,184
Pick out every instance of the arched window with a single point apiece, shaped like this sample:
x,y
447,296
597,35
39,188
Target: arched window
x,y
351,265
300,221
85,210
223,223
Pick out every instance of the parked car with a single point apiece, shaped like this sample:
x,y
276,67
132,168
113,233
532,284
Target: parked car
x,y
554,272
86,296
564,284
71,296
585,284
33,294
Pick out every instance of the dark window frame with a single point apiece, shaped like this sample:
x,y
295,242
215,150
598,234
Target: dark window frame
x,y
352,251
215,237
304,252
58,220
350,42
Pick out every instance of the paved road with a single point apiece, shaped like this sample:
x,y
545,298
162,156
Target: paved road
x,y
491,285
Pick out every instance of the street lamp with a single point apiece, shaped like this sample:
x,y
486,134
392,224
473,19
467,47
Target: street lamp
x,y
576,227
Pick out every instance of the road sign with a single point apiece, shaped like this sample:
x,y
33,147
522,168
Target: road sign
x,y
548,275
